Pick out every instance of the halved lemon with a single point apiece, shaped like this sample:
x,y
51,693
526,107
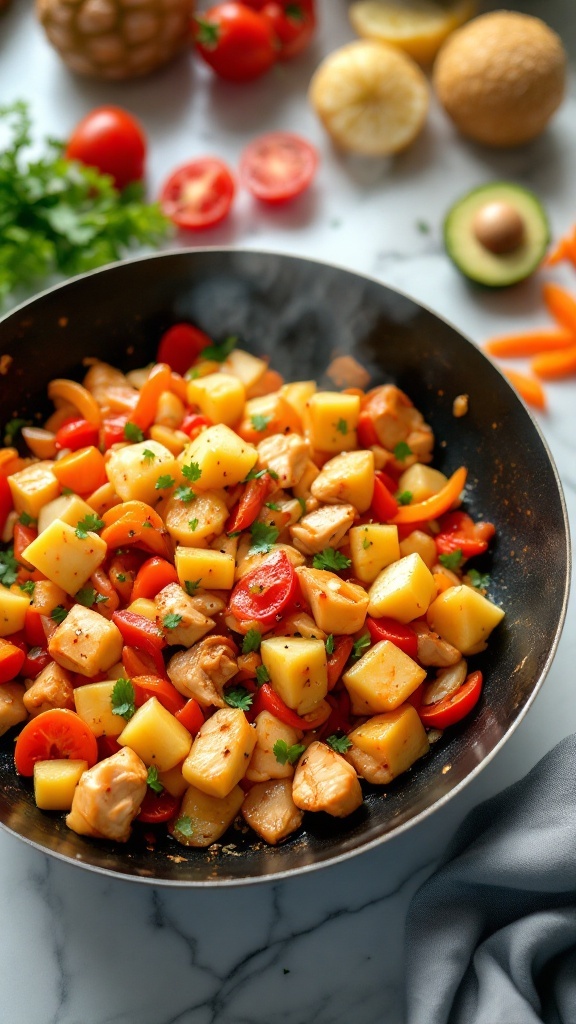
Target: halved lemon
x,y
419,27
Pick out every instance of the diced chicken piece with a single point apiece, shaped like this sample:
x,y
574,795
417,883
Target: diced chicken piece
x,y
270,810
51,689
337,605
203,670
300,624
174,605
324,781
264,764
432,650
286,455
108,797
12,709
207,603
86,642
367,767
111,389
396,419
324,528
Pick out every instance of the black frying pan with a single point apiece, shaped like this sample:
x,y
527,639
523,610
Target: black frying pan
x,y
301,313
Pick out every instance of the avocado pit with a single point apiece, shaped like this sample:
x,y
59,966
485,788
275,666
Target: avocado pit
x,y
499,227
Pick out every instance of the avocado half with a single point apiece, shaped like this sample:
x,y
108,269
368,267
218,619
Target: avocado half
x,y
479,263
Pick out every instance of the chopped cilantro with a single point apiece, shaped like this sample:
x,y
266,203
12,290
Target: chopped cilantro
x,y
87,596
192,473
153,781
251,641
283,753
12,429
26,520
219,351
147,525
192,523
192,586
366,543
172,620
184,826
192,374
479,580
402,451
239,697
27,587
184,493
452,560
123,698
342,426
58,614
360,644
260,422
90,522
262,675
133,433
331,559
302,504
121,577
339,743
273,506
67,491
255,474
263,537
9,567
404,498
164,481
148,456
330,644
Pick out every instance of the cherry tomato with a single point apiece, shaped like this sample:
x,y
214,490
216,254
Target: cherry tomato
x,y
198,194
158,807
253,497
266,591
389,629
237,42
11,660
458,532
454,707
181,345
111,140
54,734
293,25
76,434
278,166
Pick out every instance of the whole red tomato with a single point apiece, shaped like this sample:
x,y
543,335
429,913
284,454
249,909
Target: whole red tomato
x,y
237,42
294,25
111,140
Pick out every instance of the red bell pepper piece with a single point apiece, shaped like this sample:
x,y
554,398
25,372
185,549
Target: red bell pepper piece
x,y
76,434
152,686
415,698
253,497
112,431
107,745
384,505
158,807
143,663
336,661
458,532
153,575
181,345
339,720
454,707
35,661
365,430
396,632
6,504
11,660
23,536
268,700
193,423
34,628
138,631
191,716
266,591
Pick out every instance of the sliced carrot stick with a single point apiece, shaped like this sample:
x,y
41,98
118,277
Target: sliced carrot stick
x,y
559,253
527,387
561,304
530,343
555,365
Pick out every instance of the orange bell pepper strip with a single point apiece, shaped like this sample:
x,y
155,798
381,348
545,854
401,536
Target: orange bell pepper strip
x,y
436,505
82,471
137,524
159,380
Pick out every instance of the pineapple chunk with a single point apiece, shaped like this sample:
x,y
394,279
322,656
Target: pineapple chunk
x,y
324,781
382,679
47,596
144,606
402,590
156,736
220,753
248,368
372,548
210,816
219,396
172,604
33,487
297,670
134,474
55,782
421,543
69,508
13,608
213,570
86,642
65,558
394,740
330,420
347,478
173,780
298,393
421,481
463,617
196,522
94,705
270,810
223,458
264,764
337,606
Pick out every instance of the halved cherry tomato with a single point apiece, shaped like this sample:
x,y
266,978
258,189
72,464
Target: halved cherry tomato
x,y
137,662
459,532
152,686
11,660
384,505
198,194
76,434
253,497
268,700
138,631
191,716
293,25
237,42
6,504
398,634
278,166
54,734
110,139
153,575
181,345
157,807
266,591
455,707
35,661
336,661
112,430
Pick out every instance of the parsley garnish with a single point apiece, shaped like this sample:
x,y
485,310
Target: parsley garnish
x,y
164,481
172,620
120,577
90,522
88,596
331,560
26,520
192,473
366,543
479,580
251,641
153,781
360,644
148,456
263,537
123,698
339,743
133,433
272,505
283,753
329,644
185,494
239,697
9,567
342,426
262,675
452,560
219,351
404,498
67,491
184,826
192,586
13,427
192,523
255,474
27,587
260,422
58,614
302,504
402,451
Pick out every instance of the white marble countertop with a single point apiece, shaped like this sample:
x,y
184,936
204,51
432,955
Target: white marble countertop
x,y
78,948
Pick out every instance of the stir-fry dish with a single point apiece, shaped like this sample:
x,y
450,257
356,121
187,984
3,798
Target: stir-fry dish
x,y
225,595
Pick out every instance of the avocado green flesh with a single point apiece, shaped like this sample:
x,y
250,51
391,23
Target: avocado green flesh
x,y
477,262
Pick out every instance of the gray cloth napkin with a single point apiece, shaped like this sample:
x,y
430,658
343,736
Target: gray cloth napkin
x,y
491,936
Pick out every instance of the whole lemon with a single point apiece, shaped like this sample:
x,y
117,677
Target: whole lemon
x,y
501,77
